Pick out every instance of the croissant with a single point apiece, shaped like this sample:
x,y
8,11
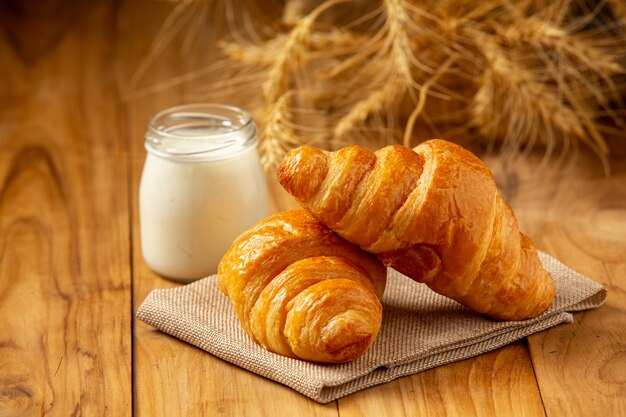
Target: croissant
x,y
302,291
433,213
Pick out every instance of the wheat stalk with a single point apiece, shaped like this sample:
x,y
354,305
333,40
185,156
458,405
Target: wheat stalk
x,y
544,34
510,103
281,131
290,55
529,72
397,38
264,55
374,103
397,77
252,54
277,135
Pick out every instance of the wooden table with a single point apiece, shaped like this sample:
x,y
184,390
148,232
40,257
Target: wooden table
x,y
72,275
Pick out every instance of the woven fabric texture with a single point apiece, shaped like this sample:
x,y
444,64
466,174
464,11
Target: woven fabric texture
x,y
420,330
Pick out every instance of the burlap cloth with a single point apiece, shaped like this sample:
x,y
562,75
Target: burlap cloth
x,y
420,330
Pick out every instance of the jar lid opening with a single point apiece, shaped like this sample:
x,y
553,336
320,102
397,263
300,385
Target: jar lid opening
x,y
200,132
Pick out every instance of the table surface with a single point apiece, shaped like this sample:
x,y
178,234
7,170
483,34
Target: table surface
x,y
72,275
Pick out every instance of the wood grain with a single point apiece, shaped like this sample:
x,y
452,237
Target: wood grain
x,y
498,383
72,275
65,324
494,384
579,216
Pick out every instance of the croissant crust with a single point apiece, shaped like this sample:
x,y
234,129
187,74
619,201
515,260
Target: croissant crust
x,y
302,291
433,213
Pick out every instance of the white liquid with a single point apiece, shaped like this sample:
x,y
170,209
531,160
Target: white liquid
x,y
190,212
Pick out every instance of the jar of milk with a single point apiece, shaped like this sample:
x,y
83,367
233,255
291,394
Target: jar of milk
x,y
202,185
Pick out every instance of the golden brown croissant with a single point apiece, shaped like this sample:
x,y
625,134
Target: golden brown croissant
x,y
433,213
302,291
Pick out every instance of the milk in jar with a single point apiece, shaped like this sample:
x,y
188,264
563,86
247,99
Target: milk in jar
x,y
201,186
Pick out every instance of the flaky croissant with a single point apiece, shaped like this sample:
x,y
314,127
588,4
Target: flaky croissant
x,y
433,213
302,291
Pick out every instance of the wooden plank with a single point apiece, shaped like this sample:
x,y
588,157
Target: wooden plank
x,y
579,216
498,383
65,325
64,273
171,377
482,404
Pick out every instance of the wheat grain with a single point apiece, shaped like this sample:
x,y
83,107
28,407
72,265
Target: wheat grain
x,y
277,135
529,72
261,55
290,55
397,38
510,103
372,104
543,34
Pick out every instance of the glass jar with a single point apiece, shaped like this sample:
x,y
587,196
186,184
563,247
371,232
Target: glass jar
x,y
202,185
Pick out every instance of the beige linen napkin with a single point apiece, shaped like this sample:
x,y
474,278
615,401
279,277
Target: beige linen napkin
x,y
420,330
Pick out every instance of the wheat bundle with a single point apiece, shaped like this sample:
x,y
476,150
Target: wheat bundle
x,y
515,75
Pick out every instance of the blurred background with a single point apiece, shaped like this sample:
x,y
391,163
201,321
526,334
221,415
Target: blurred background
x,y
507,77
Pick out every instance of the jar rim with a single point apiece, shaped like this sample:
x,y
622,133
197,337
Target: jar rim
x,y
200,132
188,107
